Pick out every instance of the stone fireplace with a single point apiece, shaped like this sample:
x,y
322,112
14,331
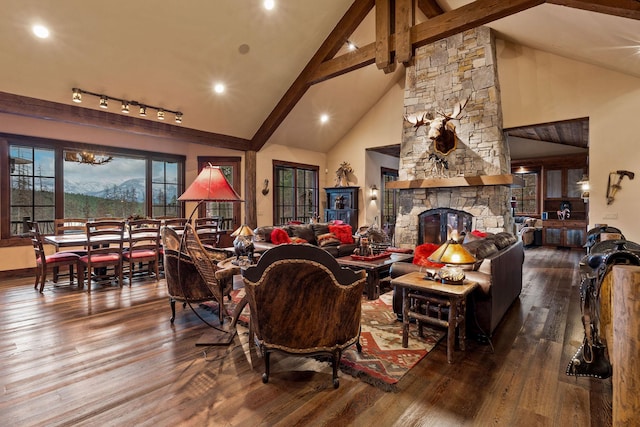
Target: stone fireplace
x,y
442,75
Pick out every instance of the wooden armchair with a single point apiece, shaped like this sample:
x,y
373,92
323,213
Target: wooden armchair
x,y
187,285
303,303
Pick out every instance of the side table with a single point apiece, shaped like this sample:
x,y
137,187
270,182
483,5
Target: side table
x,y
433,300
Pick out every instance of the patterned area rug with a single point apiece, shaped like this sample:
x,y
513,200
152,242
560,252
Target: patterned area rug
x,y
383,361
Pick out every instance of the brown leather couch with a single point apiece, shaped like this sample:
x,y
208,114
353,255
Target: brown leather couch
x,y
308,232
499,274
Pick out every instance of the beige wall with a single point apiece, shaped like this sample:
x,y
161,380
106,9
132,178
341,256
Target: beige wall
x,y
381,126
538,87
264,170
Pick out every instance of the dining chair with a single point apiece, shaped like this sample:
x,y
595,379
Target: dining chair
x,y
62,226
208,230
175,223
45,262
104,249
144,245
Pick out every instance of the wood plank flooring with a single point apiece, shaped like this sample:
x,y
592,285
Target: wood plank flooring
x,y
112,358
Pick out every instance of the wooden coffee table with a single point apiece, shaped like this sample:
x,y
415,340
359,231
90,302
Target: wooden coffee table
x,y
375,270
438,300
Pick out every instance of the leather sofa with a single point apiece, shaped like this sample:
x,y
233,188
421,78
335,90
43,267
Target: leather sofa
x,y
310,233
499,274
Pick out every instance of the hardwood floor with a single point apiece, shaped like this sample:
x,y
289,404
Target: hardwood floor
x,y
113,358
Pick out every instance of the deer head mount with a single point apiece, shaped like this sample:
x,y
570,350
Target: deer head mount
x,y
440,130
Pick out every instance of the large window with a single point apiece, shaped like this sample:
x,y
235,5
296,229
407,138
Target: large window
x,y
50,179
295,192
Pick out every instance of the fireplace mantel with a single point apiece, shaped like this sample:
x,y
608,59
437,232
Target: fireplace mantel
x,y
457,181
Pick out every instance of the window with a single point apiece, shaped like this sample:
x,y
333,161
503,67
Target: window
x,y
32,177
389,201
295,192
55,179
527,196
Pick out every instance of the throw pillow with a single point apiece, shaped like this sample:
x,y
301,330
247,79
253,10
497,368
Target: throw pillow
x,y
343,232
422,253
279,236
328,239
298,240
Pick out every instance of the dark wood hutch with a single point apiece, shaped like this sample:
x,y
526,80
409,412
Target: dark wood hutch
x,y
342,204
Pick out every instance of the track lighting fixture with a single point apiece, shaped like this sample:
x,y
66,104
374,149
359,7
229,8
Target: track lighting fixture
x,y
125,105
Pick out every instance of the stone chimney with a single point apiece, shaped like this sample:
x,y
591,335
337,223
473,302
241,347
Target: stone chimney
x,y
443,74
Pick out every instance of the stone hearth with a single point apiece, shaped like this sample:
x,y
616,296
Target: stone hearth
x,y
445,73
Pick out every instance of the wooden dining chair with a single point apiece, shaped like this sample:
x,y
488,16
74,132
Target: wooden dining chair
x,y
53,262
208,230
175,223
68,225
104,249
144,245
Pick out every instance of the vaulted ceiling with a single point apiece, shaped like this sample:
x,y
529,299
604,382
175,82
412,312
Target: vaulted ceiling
x,y
282,68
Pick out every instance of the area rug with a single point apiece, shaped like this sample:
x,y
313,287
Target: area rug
x,y
383,361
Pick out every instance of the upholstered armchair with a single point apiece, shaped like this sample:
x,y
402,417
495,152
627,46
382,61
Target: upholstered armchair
x,y
188,285
303,303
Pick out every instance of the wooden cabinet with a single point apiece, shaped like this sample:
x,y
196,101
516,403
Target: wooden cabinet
x,y
342,204
567,233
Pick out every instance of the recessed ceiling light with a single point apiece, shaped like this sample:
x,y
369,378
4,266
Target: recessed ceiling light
x,y
324,118
40,31
269,4
218,88
351,45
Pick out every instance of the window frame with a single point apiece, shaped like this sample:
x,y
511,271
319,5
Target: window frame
x,y
277,203
59,147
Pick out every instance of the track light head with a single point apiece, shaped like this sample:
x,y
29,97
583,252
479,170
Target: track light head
x,y
178,117
143,110
104,103
125,107
77,95
161,114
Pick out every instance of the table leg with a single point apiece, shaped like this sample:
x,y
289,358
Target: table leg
x,y
451,330
373,284
405,317
462,327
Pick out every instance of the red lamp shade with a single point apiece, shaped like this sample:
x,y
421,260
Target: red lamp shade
x,y
210,185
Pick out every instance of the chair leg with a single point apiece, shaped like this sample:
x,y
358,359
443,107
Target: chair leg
x,y
56,271
172,302
265,376
38,273
43,278
337,355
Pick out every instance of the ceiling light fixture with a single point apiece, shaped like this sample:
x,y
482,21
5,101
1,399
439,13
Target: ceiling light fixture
x,y
218,88
324,118
269,4
125,104
351,45
40,31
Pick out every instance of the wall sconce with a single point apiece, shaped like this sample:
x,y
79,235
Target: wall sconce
x,y
584,186
374,192
104,103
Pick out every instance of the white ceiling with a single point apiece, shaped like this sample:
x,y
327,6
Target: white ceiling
x,y
169,54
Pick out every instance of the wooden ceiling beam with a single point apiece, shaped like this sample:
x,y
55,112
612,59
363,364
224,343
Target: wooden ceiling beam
x,y
405,19
623,8
332,44
383,33
430,8
65,113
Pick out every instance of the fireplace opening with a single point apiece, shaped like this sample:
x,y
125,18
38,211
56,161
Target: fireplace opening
x,y
435,225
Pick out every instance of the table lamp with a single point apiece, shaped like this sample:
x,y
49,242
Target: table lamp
x,y
453,255
209,186
243,243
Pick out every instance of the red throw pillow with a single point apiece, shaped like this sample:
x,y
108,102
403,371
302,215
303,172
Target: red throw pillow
x,y
422,253
343,232
479,233
279,236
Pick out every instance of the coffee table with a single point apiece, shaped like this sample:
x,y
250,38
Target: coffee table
x,y
432,302
375,270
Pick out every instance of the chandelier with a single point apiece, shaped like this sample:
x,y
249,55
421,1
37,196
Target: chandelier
x,y
86,158
125,105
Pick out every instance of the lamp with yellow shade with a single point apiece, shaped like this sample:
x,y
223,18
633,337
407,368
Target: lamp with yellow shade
x,y
453,255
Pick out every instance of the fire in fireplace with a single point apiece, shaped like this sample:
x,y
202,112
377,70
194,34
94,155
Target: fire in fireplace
x,y
435,225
